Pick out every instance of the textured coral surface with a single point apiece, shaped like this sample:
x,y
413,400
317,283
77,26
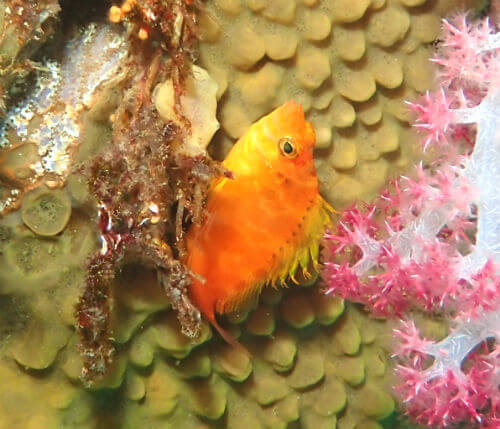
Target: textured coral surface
x,y
39,136
317,363
349,63
314,361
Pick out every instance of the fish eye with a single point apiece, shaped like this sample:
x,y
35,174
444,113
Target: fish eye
x,y
287,147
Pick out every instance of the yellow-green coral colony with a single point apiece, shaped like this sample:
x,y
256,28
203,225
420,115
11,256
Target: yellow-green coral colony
x,y
46,212
349,63
317,362
160,375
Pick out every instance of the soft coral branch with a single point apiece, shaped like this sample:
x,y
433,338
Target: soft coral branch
x,y
434,116
432,242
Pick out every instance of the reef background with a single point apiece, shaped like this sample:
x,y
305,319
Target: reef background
x,y
318,362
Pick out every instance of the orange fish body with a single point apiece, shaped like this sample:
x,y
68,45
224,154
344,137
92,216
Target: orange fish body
x,y
265,222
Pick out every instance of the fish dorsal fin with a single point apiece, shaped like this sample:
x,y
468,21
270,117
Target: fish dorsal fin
x,y
302,258
306,252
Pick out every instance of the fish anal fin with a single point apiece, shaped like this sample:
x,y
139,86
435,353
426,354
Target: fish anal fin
x,y
228,338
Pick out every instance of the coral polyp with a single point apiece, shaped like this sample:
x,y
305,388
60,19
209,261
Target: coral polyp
x,y
438,250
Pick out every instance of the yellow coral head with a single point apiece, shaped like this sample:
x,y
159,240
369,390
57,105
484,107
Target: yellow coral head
x,y
281,141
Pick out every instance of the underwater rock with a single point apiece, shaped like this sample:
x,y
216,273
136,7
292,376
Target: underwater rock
x,y
50,117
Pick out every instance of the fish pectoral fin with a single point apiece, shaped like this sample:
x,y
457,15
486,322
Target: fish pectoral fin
x,y
243,296
218,184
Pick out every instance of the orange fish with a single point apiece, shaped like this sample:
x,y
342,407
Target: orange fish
x,y
265,222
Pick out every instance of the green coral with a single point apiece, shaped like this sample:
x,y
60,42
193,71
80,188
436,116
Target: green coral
x,y
317,362
315,374
46,212
314,364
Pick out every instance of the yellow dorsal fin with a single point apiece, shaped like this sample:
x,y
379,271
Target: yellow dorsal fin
x,y
298,258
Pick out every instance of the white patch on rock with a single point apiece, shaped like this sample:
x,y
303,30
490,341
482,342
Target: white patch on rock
x,y
198,104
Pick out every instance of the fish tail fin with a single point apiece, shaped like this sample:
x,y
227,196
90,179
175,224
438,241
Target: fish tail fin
x,y
228,338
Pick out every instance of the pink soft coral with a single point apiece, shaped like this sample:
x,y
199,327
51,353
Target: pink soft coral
x,y
411,258
434,116
460,55
431,242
